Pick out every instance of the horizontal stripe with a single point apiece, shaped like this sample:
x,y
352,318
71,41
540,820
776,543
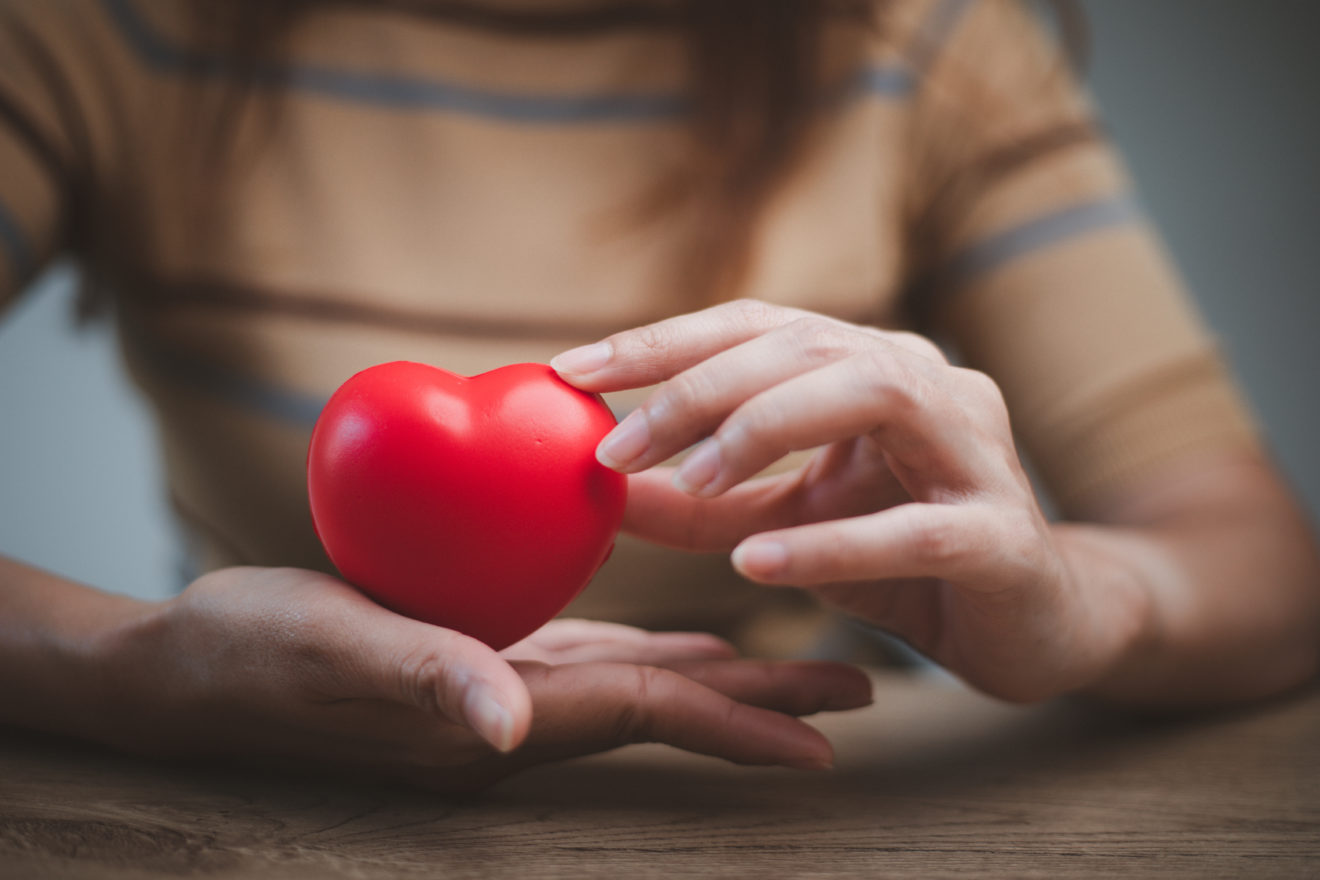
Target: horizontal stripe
x,y
402,93
238,389
165,297
296,407
540,23
385,90
891,82
1036,235
927,293
991,169
14,245
162,298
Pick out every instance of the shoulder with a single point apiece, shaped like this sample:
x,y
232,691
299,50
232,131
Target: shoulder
x,y
955,55
75,75
54,39
991,53
990,73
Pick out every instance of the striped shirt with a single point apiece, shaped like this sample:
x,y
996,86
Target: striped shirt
x,y
445,193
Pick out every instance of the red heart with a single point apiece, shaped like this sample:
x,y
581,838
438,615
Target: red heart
x,y
471,503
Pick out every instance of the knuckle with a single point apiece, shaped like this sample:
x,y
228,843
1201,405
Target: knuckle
x,y
884,379
318,660
687,394
754,429
632,722
752,311
1001,455
918,344
980,384
422,673
938,543
986,397
1020,537
652,341
877,366
819,339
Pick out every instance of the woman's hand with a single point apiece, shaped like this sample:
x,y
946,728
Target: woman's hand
x,y
298,668
914,513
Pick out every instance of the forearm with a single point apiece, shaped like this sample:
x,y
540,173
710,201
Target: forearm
x,y
55,640
1229,588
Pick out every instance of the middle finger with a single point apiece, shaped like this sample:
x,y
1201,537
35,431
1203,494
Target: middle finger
x,y
693,403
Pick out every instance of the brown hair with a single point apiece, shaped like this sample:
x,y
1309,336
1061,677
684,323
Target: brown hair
x,y
756,83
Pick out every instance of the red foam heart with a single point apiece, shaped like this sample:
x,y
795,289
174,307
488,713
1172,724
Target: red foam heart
x,y
471,503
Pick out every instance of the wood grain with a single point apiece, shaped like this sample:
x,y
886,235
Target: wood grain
x,y
932,781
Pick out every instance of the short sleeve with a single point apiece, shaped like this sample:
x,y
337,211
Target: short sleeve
x,y
41,126
1035,264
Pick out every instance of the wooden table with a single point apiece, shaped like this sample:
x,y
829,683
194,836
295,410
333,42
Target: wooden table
x,y
932,781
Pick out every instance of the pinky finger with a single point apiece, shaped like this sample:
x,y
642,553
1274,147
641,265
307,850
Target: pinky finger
x,y
909,541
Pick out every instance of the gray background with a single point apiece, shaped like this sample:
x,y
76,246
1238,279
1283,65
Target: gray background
x,y
1213,101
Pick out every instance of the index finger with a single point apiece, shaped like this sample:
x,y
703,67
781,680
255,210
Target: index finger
x,y
647,355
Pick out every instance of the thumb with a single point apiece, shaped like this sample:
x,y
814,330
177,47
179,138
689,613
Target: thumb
x,y
443,673
662,514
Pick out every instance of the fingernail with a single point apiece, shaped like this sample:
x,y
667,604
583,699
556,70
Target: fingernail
x,y
764,558
700,468
583,360
489,718
626,443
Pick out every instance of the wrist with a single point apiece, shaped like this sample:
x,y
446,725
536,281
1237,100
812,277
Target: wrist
x,y
58,647
1115,570
116,667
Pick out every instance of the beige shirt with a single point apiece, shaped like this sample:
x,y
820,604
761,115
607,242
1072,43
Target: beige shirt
x,y
443,193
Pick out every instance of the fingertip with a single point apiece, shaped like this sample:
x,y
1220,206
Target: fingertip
x,y
577,364
816,762
830,686
604,458
488,718
624,448
780,739
819,756
857,691
521,729
520,707
696,646
761,559
721,650
699,473
498,707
